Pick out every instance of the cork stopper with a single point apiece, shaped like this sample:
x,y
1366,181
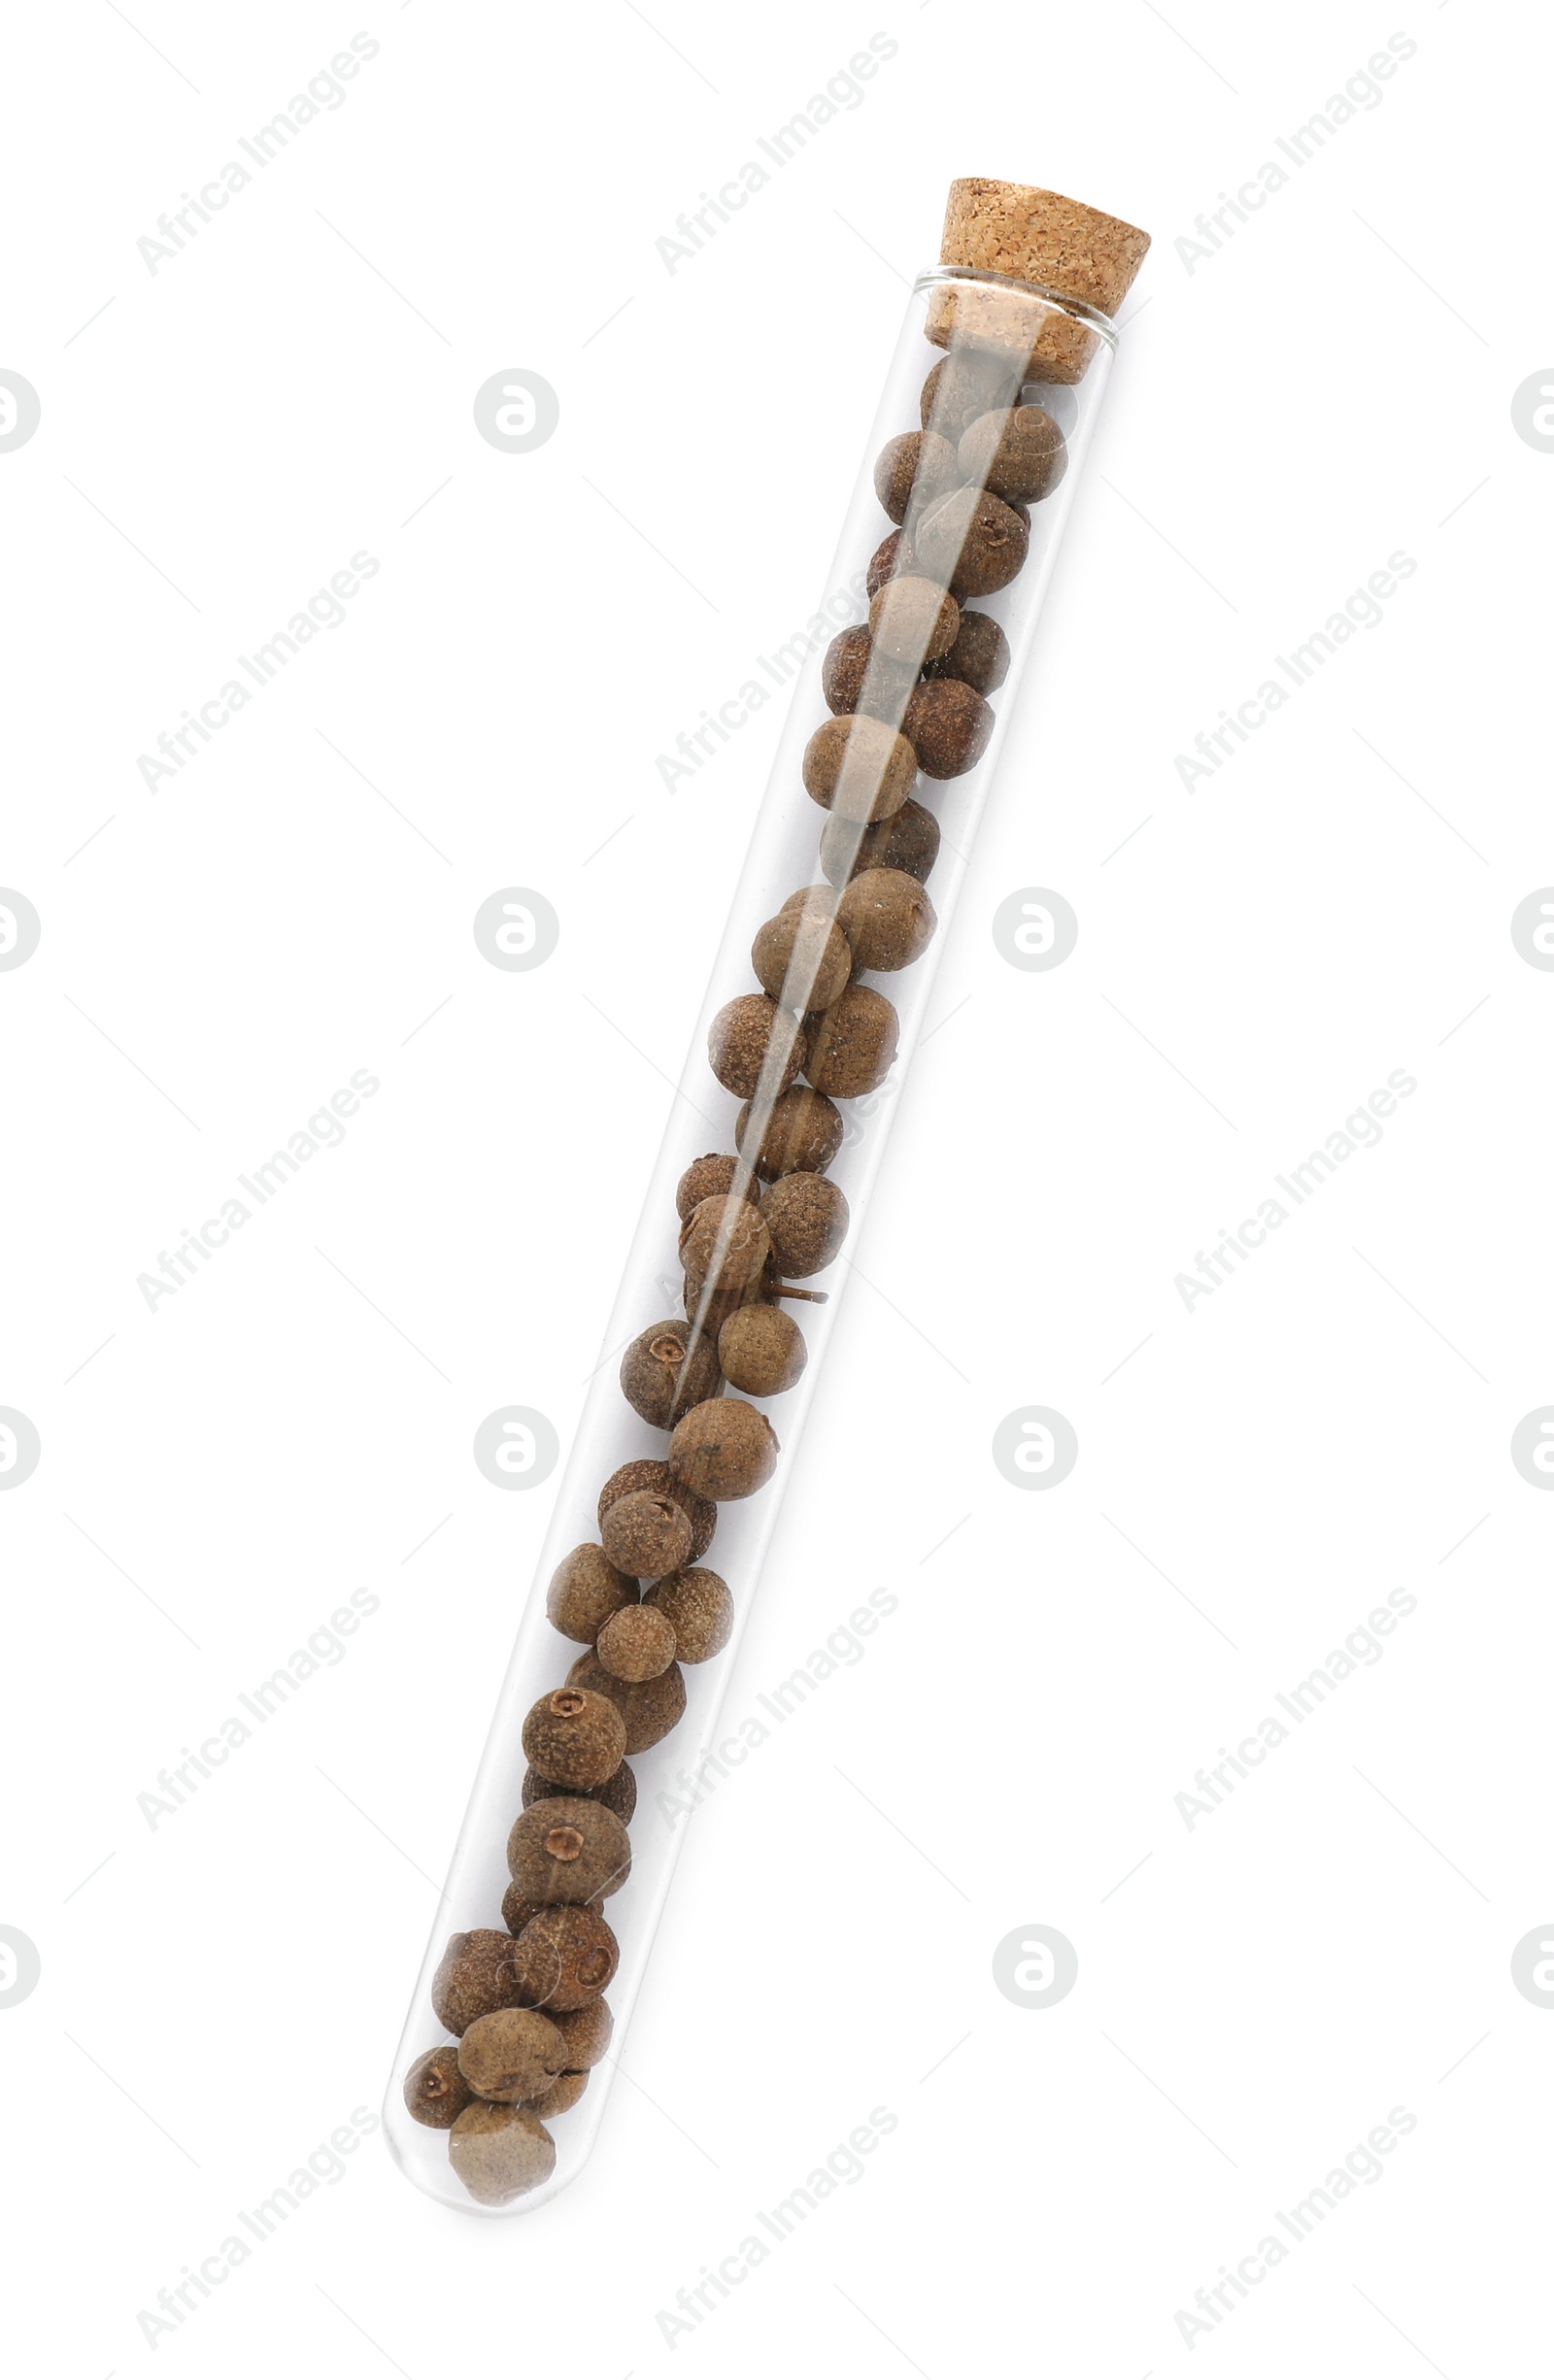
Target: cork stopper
x,y
1072,250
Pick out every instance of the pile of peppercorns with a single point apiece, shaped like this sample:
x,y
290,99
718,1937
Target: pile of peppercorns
x,y
907,692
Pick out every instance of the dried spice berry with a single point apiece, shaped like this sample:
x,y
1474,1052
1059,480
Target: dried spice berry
x,y
852,1050
708,1303
564,1958
637,1645
724,1449
911,620
968,383
648,1710
699,1604
706,1177
909,841
564,2093
516,1910
854,676
475,1975
807,1219
617,1792
742,1034
887,918
859,768
435,2091
803,1133
586,2032
914,471
577,1739
892,556
512,2055
1019,455
980,653
567,1850
972,543
761,1349
649,1532
799,958
500,2152
725,1237
948,725
656,1477
586,1589
666,1371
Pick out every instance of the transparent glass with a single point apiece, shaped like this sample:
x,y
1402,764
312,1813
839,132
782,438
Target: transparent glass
x,y
1017,345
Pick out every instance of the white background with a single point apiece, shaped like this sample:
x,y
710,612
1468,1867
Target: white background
x,y
1331,386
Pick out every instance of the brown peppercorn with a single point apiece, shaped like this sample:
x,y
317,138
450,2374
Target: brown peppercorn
x,y
859,768
474,1976
656,1477
699,1604
980,653
853,1048
799,958
706,1177
564,2093
586,2032
577,1739
807,1219
803,1133
1019,455
892,557
971,543
586,1589
914,471
856,675
500,2152
725,1237
649,1532
516,1910
666,1371
948,726
648,1709
887,918
564,1958
617,1792
708,1303
435,2091
743,1034
968,383
567,1850
511,2055
642,1647
724,1449
911,620
909,841
761,1349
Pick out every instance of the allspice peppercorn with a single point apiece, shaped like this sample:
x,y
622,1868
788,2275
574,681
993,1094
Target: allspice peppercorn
x,y
511,2055
855,677
617,1792
973,543
1018,455
516,1910
706,1177
762,1350
948,725
651,1534
803,1133
586,2032
746,1030
699,1607
852,1050
891,556
648,1709
913,470
909,841
968,383
666,1371
568,1850
435,2091
980,653
859,768
887,920
585,1590
564,2093
657,1479
911,620
576,1738
642,1647
726,1239
799,958
807,1219
724,1449
564,1958
500,2152
474,1976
